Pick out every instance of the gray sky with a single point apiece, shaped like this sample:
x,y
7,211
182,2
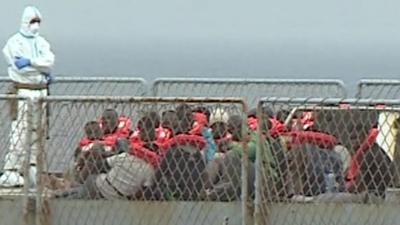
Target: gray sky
x,y
341,39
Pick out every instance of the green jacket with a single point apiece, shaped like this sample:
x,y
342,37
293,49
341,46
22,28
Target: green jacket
x,y
269,161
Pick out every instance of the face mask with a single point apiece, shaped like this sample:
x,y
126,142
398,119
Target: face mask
x,y
34,28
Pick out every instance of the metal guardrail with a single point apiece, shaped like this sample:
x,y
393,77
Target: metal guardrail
x,y
96,86
250,89
378,88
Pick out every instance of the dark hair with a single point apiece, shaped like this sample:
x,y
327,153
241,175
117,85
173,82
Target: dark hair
x,y
155,118
265,110
266,125
219,129
252,113
185,117
169,119
204,110
147,133
282,115
183,110
93,130
235,123
146,129
109,120
110,111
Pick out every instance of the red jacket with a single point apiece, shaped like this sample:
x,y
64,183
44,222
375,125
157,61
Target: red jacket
x,y
86,143
134,138
277,127
252,123
123,127
184,139
307,120
200,121
111,139
310,137
138,150
354,163
162,135
227,137
122,131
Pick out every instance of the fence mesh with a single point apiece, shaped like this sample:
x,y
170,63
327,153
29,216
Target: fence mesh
x,y
90,86
381,89
147,152
251,89
327,162
16,138
5,83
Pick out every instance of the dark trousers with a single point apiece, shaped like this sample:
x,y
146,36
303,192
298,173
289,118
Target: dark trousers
x,y
87,190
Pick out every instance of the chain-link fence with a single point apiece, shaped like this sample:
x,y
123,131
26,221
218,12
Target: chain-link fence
x,y
327,161
16,138
251,89
5,115
144,161
5,84
90,86
381,89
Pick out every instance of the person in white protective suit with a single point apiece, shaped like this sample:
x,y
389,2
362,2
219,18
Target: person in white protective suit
x,y
30,61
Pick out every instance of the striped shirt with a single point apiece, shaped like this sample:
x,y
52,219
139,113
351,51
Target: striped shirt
x,y
128,175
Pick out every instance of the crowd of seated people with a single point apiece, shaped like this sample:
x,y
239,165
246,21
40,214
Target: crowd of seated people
x,y
195,153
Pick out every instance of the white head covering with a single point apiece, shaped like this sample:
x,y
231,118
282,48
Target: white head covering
x,y
219,115
30,13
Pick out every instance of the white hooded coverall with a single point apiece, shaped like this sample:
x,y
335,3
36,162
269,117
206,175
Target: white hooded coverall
x,y
28,44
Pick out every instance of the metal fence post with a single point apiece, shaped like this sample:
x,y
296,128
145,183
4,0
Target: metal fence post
x,y
246,203
42,208
28,202
258,181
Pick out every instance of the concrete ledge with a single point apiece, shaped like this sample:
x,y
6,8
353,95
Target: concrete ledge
x,y
11,211
95,212
338,214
